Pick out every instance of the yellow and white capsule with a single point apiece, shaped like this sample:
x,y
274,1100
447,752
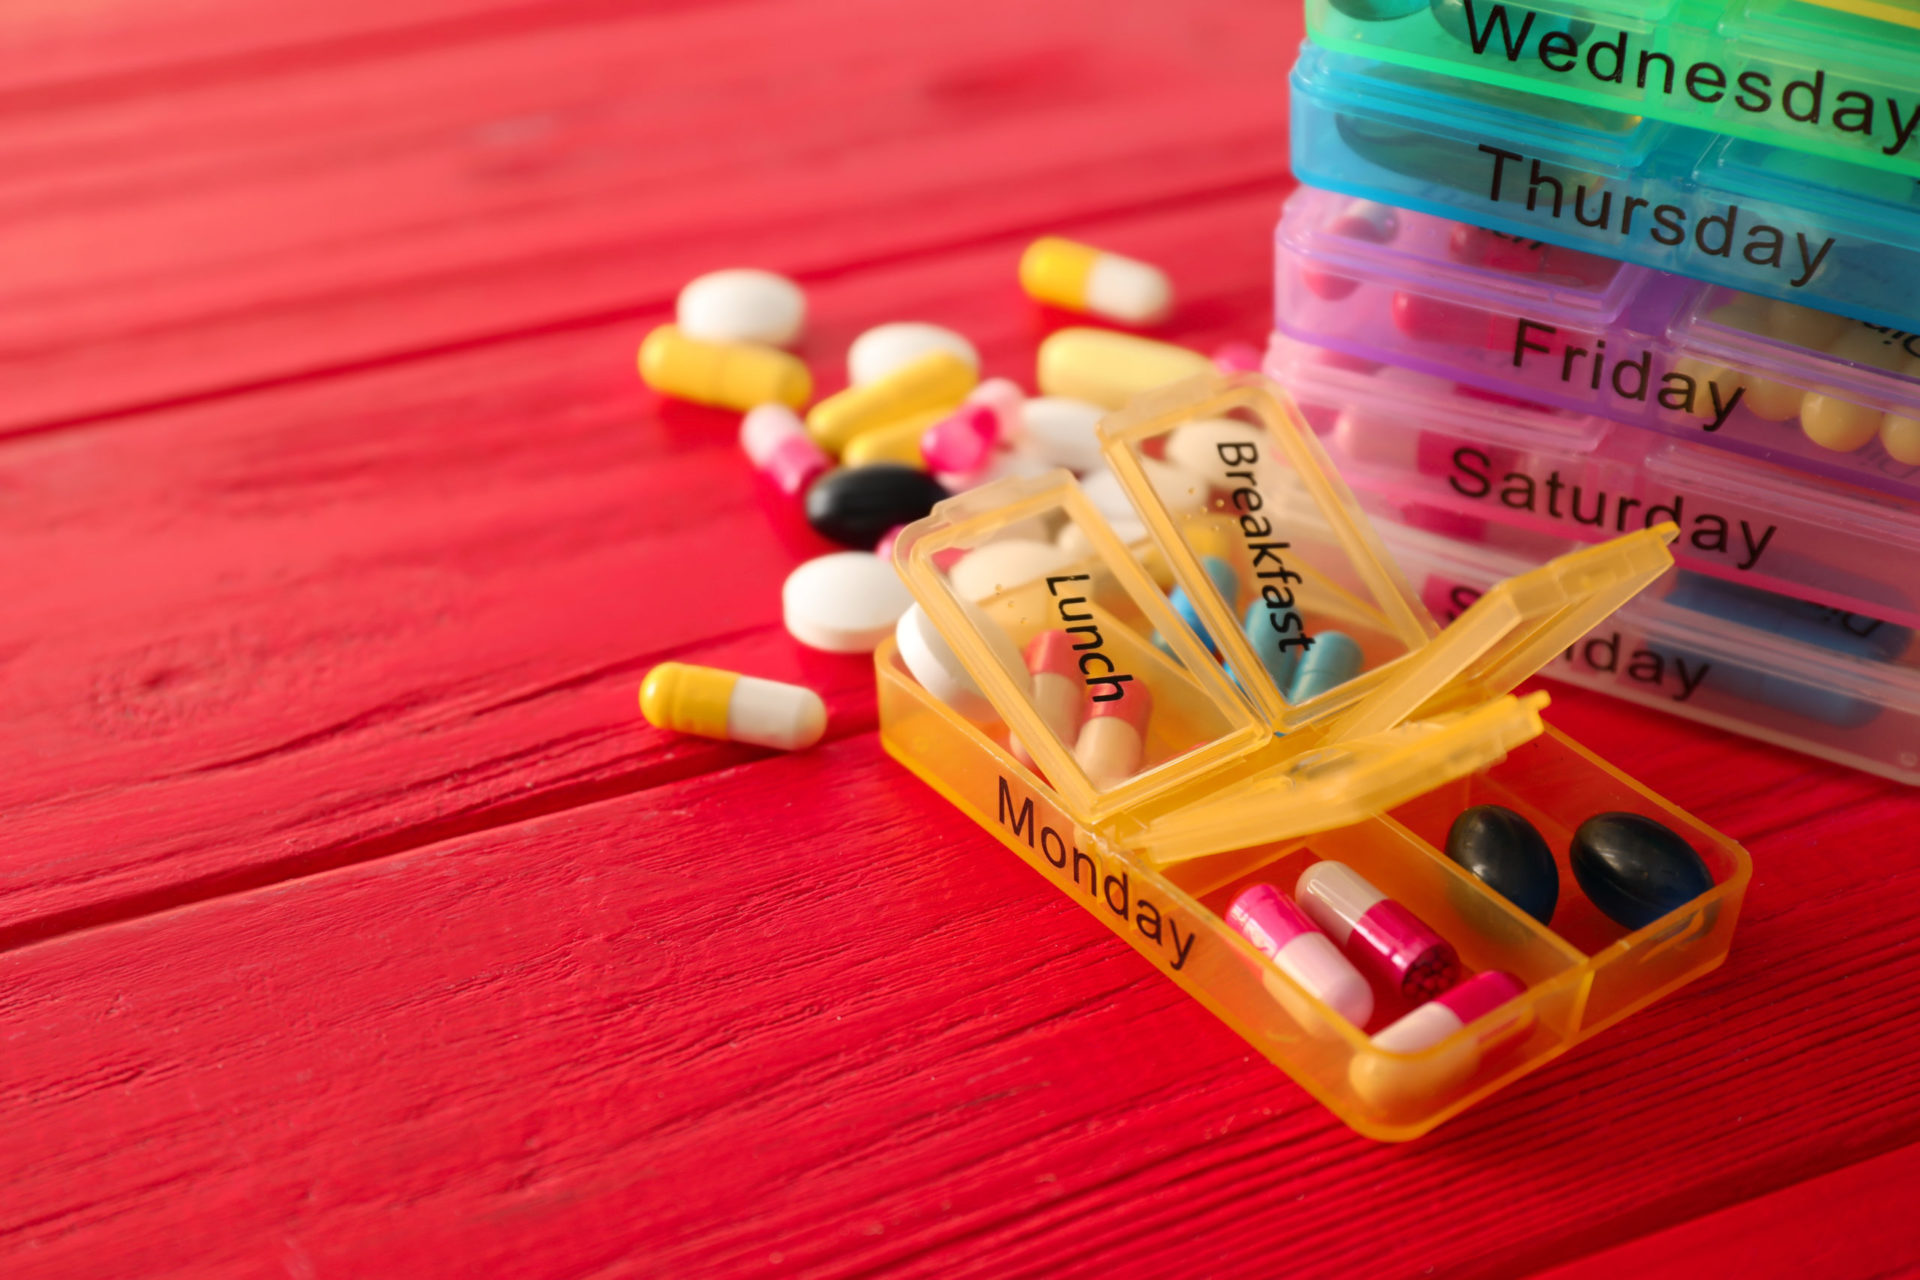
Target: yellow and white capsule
x,y
937,380
732,375
710,703
1079,277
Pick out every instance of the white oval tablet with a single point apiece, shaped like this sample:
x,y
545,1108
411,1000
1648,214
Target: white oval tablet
x,y
742,305
884,348
1060,431
935,665
843,603
1011,562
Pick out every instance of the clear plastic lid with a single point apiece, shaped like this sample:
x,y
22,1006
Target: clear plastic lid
x,y
1376,706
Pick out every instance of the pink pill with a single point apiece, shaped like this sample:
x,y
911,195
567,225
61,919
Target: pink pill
x,y
1279,931
962,441
1237,357
777,443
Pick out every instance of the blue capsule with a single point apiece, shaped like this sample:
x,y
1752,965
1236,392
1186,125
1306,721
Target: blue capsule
x,y
1332,658
1278,657
1225,581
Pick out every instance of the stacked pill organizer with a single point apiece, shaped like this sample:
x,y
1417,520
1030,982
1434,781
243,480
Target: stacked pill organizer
x,y
1565,271
1211,710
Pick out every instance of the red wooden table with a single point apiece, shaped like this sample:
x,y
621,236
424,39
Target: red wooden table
x,y
354,925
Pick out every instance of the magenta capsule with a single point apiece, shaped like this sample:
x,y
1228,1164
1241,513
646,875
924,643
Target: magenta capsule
x,y
961,442
777,443
1237,357
1385,939
1281,932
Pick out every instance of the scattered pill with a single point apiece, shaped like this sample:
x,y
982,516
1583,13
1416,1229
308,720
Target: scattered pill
x,y
776,442
1078,277
731,375
1389,1081
711,703
1384,938
887,348
897,441
847,602
1062,432
1506,853
1635,869
1108,369
1006,399
1331,659
1000,464
1059,691
884,547
1281,932
1237,357
1269,631
1112,742
854,506
742,305
1009,562
1900,437
1834,422
939,670
935,380
962,441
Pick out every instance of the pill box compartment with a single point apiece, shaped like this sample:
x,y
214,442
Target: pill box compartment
x,y
1825,233
1567,476
1700,362
1239,786
1843,687
1870,52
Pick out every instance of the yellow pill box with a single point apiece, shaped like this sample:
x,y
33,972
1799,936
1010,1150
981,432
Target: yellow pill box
x,y
1237,786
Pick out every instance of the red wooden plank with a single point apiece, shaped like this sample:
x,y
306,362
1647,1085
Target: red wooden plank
x,y
295,629
1860,1223
241,231
727,1026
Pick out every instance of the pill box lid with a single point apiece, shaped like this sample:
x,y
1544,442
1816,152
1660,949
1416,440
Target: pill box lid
x,y
1227,759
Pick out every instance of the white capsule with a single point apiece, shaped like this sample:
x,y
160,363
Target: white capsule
x,y
1010,562
938,669
847,602
742,305
1061,431
887,347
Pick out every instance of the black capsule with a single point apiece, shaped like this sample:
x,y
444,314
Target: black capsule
x,y
853,506
1634,869
1509,856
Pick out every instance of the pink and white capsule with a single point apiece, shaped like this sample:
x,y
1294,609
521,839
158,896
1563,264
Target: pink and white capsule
x,y
962,442
1385,939
1281,932
1445,1014
1113,741
1057,691
776,442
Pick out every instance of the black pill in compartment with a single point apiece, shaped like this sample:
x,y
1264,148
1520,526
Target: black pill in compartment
x,y
1634,869
1505,852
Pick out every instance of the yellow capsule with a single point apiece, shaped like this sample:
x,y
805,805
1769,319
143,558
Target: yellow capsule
x,y
895,442
1080,277
1110,368
937,380
711,703
732,375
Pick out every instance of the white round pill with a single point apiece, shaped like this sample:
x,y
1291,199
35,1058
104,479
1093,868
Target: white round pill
x,y
1010,562
884,348
1060,431
742,305
935,665
844,603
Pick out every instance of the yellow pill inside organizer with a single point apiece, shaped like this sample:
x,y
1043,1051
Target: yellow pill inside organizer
x,y
1108,368
1080,277
731,375
896,442
937,380
710,703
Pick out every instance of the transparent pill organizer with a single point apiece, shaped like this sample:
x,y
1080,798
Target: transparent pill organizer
x,y
1831,78
1825,233
1580,478
1233,784
1801,388
1840,686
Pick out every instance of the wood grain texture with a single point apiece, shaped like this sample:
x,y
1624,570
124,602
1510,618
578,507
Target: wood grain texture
x,y
350,922
700,1031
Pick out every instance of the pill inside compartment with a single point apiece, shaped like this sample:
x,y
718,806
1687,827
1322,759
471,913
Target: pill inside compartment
x,y
1556,785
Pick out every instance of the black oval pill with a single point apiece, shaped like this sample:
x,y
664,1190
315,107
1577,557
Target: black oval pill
x,y
854,506
1507,854
1634,869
